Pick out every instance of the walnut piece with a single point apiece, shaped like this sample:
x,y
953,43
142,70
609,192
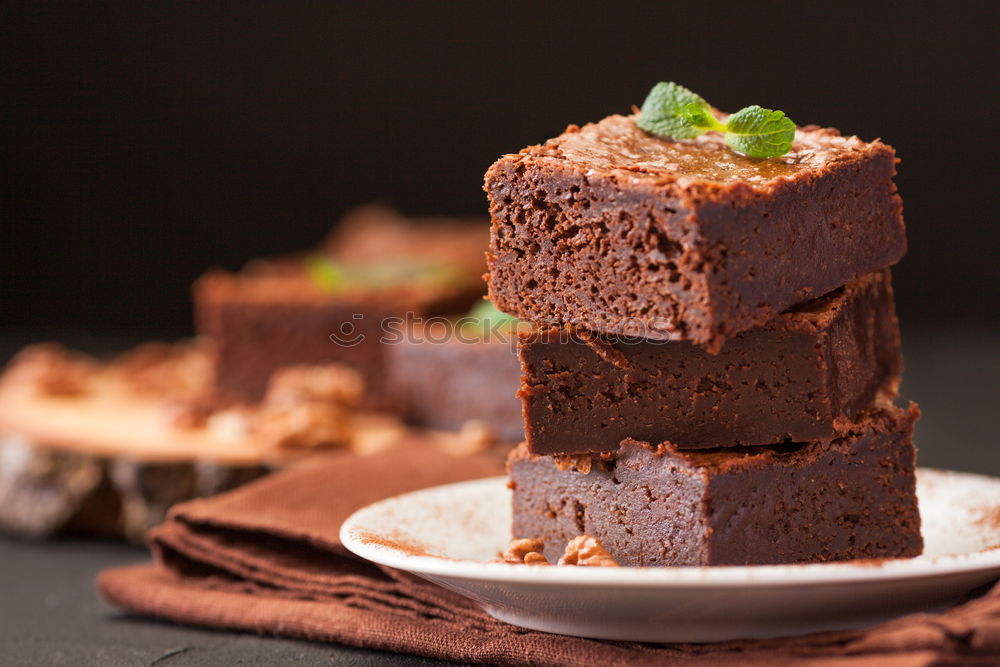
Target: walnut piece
x,y
49,368
478,435
535,558
309,406
187,414
328,383
524,551
175,372
474,436
586,551
307,425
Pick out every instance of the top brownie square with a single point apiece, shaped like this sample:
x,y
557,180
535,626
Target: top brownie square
x,y
620,232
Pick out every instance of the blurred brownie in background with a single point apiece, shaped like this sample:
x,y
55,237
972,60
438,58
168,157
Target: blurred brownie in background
x,y
329,305
459,374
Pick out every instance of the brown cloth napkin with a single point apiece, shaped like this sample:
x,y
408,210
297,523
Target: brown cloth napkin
x,y
266,558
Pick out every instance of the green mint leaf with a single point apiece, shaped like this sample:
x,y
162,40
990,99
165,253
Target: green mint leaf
x,y
668,111
674,112
325,273
702,118
760,133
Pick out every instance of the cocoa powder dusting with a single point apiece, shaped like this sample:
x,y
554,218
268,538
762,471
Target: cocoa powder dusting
x,y
990,518
409,548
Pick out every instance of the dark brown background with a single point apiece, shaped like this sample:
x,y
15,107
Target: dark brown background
x,y
144,142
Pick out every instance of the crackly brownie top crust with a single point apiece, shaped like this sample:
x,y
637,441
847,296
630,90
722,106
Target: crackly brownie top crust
x,y
617,143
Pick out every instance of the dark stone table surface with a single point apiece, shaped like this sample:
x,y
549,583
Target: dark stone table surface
x,y
51,615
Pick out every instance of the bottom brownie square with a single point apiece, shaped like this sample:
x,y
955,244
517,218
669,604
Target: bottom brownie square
x,y
851,497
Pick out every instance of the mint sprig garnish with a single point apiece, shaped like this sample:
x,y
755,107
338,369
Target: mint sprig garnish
x,y
674,112
669,109
334,277
702,119
760,132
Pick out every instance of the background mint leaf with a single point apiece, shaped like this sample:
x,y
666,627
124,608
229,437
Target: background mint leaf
x,y
485,311
484,316
665,111
325,273
412,271
334,277
759,132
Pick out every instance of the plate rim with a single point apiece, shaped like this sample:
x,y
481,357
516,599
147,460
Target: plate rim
x,y
702,576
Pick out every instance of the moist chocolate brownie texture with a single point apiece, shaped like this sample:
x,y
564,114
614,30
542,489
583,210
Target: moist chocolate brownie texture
x,y
616,231
802,376
848,498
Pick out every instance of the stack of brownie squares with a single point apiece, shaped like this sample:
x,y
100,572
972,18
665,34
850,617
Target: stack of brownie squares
x,y
714,351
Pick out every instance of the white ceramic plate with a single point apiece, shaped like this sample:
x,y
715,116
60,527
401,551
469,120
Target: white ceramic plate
x,y
448,534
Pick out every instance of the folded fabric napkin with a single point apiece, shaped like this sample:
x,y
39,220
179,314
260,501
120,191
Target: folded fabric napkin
x,y
266,558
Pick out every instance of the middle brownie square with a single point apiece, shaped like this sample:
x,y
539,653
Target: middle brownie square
x,y
801,377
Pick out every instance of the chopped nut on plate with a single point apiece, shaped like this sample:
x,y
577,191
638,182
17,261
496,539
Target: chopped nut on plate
x,y
586,551
524,552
